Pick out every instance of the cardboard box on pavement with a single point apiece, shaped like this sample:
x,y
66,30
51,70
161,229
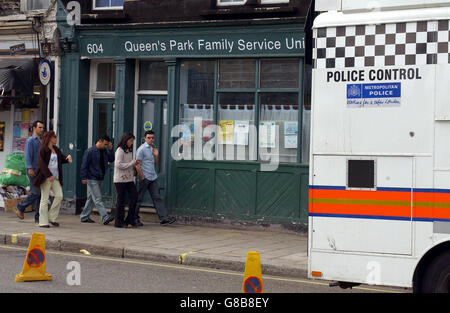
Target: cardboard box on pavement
x,y
10,204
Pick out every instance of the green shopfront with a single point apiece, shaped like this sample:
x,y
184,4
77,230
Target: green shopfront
x,y
225,102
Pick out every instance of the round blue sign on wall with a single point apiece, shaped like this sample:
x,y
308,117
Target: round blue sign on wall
x,y
45,71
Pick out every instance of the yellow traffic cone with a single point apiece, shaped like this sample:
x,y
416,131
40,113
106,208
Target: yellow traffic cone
x,y
34,265
252,275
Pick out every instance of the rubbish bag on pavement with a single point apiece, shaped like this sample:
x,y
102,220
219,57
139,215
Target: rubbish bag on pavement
x,y
14,172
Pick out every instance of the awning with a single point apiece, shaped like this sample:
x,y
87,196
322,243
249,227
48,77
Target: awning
x,y
17,74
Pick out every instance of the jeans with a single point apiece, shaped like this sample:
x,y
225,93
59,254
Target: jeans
x,y
46,215
152,187
33,198
121,188
94,200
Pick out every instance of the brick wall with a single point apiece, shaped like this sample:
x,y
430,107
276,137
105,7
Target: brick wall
x,y
8,7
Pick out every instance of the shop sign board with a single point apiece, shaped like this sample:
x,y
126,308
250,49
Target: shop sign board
x,y
124,44
17,49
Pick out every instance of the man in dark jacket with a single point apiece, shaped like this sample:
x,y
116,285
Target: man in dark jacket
x,y
93,167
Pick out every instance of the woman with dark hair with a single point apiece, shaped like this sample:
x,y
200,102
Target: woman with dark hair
x,y
124,169
49,176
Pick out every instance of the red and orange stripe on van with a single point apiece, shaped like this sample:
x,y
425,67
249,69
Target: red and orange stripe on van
x,y
383,203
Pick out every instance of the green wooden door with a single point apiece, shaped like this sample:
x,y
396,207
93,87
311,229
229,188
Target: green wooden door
x,y
152,115
103,124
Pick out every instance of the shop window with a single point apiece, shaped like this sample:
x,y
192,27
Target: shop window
x,y
236,136
237,73
196,104
106,77
230,2
152,75
252,106
108,4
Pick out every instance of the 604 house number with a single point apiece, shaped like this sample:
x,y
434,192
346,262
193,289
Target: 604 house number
x,y
94,48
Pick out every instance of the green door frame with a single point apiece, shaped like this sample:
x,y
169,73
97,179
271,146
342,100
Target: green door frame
x,y
108,192
157,127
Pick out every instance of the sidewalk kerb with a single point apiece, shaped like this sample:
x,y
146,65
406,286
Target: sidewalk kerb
x,y
75,247
151,256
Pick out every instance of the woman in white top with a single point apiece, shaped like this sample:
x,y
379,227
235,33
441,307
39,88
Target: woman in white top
x,y
49,176
124,172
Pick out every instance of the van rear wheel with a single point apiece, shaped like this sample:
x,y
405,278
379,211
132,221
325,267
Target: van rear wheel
x,y
437,275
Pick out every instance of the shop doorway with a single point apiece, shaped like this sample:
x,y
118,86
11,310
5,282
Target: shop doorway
x,y
152,115
104,124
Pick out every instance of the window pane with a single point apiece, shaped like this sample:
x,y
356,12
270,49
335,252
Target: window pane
x,y
231,1
236,127
237,73
273,1
102,3
278,127
361,174
102,128
279,73
106,77
152,76
117,3
38,4
108,3
196,105
197,82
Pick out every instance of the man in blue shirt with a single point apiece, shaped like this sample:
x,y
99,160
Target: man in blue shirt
x,y
93,167
147,155
31,155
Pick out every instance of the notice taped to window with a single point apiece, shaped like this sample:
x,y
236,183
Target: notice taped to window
x,y
267,134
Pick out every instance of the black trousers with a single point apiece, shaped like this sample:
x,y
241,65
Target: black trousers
x,y
122,189
152,187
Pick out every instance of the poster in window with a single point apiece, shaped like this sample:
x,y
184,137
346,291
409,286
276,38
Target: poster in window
x,y
290,128
226,132
241,130
33,115
16,130
187,130
24,130
2,136
17,116
206,135
267,134
290,142
25,115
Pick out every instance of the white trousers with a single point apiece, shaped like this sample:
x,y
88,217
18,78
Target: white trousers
x,y
46,215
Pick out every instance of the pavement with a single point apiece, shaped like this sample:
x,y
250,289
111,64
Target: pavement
x,y
281,254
